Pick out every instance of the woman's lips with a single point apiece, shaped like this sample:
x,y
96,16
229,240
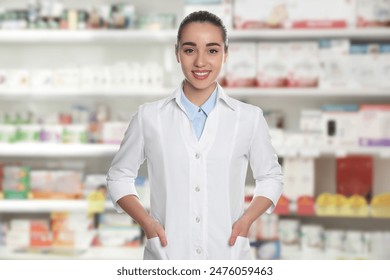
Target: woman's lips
x,y
201,75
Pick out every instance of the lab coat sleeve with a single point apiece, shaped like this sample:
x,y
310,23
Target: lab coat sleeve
x,y
125,165
266,170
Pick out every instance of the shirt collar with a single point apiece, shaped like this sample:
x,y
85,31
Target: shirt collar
x,y
220,95
192,109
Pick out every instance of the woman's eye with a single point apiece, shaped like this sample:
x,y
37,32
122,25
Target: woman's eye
x,y
189,51
213,51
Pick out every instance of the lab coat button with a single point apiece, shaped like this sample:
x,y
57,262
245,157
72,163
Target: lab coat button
x,y
199,251
197,189
197,219
197,155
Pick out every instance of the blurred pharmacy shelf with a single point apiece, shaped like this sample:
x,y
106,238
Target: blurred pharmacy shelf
x,y
169,36
93,253
47,205
96,92
99,150
161,92
57,150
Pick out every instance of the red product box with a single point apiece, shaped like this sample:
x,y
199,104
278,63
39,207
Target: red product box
x,y
354,176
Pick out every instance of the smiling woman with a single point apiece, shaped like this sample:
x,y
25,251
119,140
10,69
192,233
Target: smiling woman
x,y
197,143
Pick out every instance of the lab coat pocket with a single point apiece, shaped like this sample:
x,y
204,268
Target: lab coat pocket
x,y
241,249
154,250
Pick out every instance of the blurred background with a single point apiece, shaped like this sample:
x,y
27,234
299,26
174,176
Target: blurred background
x,y
72,73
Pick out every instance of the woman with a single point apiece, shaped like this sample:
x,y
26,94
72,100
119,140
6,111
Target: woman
x,y
197,144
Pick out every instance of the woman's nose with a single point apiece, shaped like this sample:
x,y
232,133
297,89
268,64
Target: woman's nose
x,y
200,61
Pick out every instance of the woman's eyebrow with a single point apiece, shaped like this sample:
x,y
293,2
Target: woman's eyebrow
x,y
194,45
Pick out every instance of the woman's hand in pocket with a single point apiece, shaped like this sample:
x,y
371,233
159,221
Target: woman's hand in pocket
x,y
154,229
239,228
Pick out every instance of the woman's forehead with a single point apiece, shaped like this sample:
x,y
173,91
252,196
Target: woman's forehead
x,y
202,32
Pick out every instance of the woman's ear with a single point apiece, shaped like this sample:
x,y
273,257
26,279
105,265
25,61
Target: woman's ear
x,y
225,55
177,53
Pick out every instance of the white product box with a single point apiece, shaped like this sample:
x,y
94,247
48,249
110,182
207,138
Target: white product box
x,y
41,79
289,235
340,126
374,125
66,78
303,64
372,13
267,227
334,243
383,71
118,236
364,70
310,120
321,13
299,178
113,132
18,79
15,239
354,243
272,67
41,180
334,61
241,65
249,14
312,239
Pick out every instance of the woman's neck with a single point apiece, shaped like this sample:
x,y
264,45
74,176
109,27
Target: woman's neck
x,y
196,96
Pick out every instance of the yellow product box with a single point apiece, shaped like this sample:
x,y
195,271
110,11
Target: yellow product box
x,y
356,206
328,204
380,205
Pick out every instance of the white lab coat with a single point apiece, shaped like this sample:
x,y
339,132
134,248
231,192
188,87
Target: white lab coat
x,y
197,187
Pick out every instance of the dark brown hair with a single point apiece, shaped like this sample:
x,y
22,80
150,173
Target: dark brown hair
x,y
203,16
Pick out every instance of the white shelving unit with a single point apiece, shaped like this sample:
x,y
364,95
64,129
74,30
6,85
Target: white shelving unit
x,y
162,92
164,36
46,206
107,42
101,150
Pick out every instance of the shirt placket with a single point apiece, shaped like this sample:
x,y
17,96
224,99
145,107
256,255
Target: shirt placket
x,y
198,205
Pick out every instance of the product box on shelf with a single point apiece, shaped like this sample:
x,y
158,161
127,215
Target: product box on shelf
x,y
380,205
384,66
334,61
16,182
248,14
354,176
373,13
374,125
241,66
113,132
264,236
312,241
72,231
340,125
289,235
272,65
321,13
334,243
364,65
303,64
299,177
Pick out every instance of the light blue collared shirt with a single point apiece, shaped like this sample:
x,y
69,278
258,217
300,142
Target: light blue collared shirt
x,y
198,115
